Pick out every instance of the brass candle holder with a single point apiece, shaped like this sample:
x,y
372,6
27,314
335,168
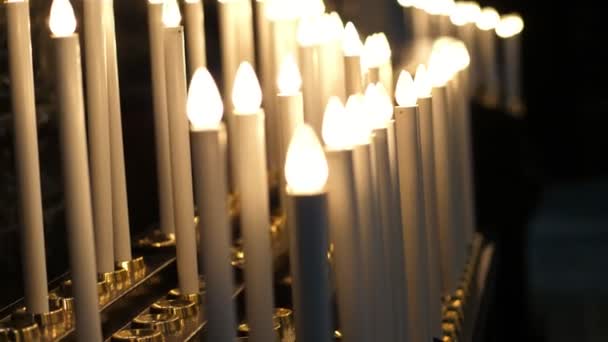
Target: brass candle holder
x,y
23,328
54,317
285,318
67,299
138,335
243,330
183,308
195,297
167,324
136,268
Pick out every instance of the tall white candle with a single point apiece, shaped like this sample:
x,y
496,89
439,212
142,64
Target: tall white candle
x,y
175,69
255,213
354,306
306,172
26,156
196,51
205,110
309,41
416,18
120,206
486,39
352,49
79,216
463,16
265,54
161,120
509,29
386,66
376,281
331,61
413,211
371,59
98,122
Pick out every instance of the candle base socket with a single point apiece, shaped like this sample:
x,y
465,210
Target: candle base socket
x,y
243,330
135,267
138,335
24,329
182,308
286,320
238,257
157,240
54,317
167,324
117,280
67,300
196,297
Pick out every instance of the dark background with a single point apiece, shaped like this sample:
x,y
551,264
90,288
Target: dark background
x,y
541,180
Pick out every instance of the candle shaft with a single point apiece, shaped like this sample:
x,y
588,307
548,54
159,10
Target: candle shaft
x,y
255,223
309,242
265,56
290,114
120,206
211,186
466,33
386,76
195,35
373,75
185,237
487,58
421,25
26,157
161,120
414,227
445,25
313,105
79,217
352,75
353,305
512,74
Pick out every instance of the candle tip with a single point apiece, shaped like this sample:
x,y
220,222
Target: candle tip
x,y
422,82
378,105
405,91
62,21
306,169
376,51
290,79
487,19
246,91
465,12
204,107
509,25
171,15
336,131
361,127
351,43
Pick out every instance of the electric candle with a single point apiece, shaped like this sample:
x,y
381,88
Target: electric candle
x,y
445,9
161,119
386,68
486,38
26,157
79,216
509,29
205,110
352,48
354,306
194,18
332,61
371,59
306,172
309,39
255,213
417,18
120,206
371,231
175,73
98,122
463,16
413,209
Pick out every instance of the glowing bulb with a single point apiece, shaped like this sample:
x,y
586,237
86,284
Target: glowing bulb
x,y
465,12
335,130
361,128
378,106
440,71
509,26
433,7
488,19
306,168
337,26
290,79
405,91
384,46
422,83
246,92
282,9
446,7
351,42
462,59
406,3
310,8
171,15
372,56
62,21
309,31
204,106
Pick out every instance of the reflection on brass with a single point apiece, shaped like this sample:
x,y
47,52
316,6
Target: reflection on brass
x,y
447,339
234,206
183,308
135,267
138,335
55,316
103,291
6,332
22,328
120,279
195,297
456,305
163,322
157,239
337,335
450,330
243,330
452,317
285,318
238,257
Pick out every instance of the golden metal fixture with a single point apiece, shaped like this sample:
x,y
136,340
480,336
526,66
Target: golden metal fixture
x,y
138,335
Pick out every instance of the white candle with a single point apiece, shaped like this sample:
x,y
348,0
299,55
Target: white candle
x,y
98,122
255,213
509,29
386,68
331,61
380,110
120,206
377,286
352,48
463,16
161,120
194,18
79,217
309,41
354,306
205,110
26,157
266,62
416,18
371,59
486,39
175,71
413,211
306,172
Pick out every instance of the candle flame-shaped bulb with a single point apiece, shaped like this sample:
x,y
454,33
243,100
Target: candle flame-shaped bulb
x,y
290,79
336,26
351,43
384,46
204,107
306,168
62,21
335,130
405,91
361,127
487,19
422,83
509,26
309,31
246,92
464,12
171,15
310,8
372,54
378,106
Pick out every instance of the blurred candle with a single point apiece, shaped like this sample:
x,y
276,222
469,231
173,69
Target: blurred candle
x,y
309,40
73,142
251,172
205,110
26,157
352,48
331,58
306,172
416,18
175,71
486,38
386,68
509,29
194,18
371,59
463,16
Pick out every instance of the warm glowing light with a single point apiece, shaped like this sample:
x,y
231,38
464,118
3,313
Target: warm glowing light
x,y
310,8
351,43
171,15
488,19
405,91
378,106
509,26
336,126
310,31
246,93
361,127
452,52
204,106
445,7
372,54
282,9
290,79
336,25
433,7
422,82
384,46
406,3
440,69
306,168
62,21
462,59
464,12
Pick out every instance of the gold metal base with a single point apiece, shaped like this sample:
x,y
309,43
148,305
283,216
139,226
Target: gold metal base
x,y
117,280
157,240
138,335
135,267
243,330
23,329
55,316
165,323
238,257
67,300
195,297
286,320
182,308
